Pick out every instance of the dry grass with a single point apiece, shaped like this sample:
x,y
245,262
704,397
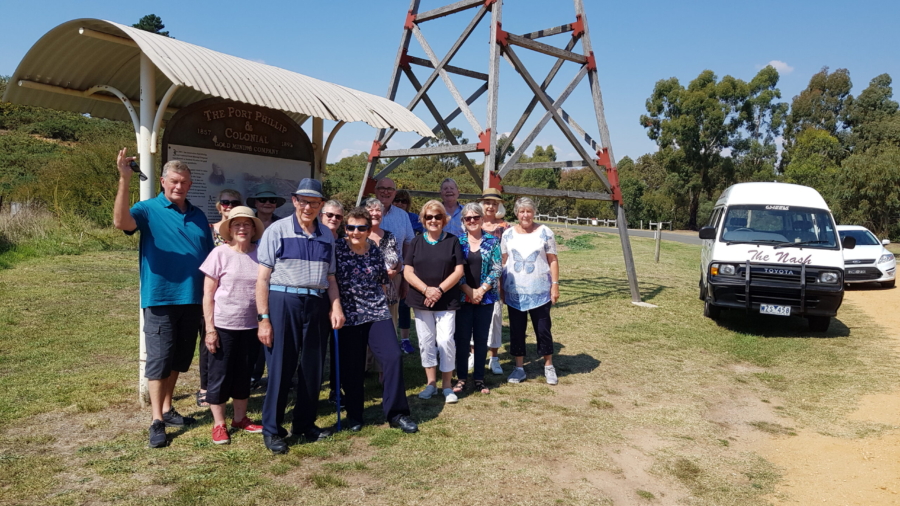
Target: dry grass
x,y
36,232
653,405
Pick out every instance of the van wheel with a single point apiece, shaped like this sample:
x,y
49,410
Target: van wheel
x,y
702,291
888,284
711,312
819,323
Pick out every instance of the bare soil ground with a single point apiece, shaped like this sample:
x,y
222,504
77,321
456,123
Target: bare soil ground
x,y
827,469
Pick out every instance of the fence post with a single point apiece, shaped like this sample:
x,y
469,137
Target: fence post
x,y
658,239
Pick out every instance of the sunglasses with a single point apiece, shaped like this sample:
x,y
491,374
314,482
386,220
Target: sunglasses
x,y
385,189
470,219
401,201
333,215
354,228
267,200
429,217
229,203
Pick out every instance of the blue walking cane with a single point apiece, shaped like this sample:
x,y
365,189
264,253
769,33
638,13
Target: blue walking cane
x,y
337,377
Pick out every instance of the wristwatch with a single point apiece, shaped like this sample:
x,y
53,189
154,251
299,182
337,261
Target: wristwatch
x,y
261,317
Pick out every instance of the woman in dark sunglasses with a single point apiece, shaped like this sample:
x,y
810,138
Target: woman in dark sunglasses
x,y
265,201
433,267
479,285
228,200
362,279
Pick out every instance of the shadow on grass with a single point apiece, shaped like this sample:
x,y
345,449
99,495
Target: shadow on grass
x,y
742,322
597,289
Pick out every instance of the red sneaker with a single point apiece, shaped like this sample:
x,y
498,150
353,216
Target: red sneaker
x,y
220,435
247,426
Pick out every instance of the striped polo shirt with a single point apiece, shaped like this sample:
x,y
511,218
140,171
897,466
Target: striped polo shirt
x,y
297,259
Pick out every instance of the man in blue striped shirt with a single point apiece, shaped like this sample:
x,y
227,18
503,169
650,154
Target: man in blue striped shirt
x,y
295,294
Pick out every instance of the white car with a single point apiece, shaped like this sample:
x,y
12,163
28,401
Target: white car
x,y
869,261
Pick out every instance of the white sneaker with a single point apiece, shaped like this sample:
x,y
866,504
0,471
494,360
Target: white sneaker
x,y
495,366
449,396
428,392
550,374
471,362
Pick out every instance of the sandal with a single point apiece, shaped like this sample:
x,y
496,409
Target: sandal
x,y
200,397
479,386
460,386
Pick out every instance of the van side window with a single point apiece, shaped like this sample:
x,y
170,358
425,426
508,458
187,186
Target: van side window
x,y
714,219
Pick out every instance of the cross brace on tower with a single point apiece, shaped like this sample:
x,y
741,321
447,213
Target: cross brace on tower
x,y
502,44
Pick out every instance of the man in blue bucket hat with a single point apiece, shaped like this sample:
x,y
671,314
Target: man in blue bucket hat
x,y
298,305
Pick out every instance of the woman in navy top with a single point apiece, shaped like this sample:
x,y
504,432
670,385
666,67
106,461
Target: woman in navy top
x,y
361,277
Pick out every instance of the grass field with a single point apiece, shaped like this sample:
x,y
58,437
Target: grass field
x,y
654,406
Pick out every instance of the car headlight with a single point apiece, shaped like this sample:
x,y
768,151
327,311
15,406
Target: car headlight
x,y
886,258
829,277
722,270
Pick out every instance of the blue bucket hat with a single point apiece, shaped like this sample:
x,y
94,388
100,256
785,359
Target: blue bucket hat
x,y
309,187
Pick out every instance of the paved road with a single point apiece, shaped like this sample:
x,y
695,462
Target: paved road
x,y
667,236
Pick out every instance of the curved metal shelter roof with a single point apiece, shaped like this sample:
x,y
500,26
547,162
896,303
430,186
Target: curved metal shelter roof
x,y
80,54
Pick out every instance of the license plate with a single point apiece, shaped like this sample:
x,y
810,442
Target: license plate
x,y
856,271
774,309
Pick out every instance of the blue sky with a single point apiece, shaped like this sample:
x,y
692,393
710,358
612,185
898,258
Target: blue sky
x,y
353,43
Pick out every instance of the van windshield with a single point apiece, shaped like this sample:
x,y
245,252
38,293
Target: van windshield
x,y
784,226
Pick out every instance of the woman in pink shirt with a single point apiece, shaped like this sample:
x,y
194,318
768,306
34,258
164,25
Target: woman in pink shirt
x,y
229,307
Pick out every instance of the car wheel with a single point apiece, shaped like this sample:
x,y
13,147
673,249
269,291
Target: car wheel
x,y
888,284
702,291
710,311
819,323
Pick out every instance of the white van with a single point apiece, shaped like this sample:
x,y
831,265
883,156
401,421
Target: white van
x,y
773,248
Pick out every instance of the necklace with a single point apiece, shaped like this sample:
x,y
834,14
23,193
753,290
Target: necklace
x,y
429,241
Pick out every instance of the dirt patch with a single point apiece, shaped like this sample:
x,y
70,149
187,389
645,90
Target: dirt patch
x,y
822,469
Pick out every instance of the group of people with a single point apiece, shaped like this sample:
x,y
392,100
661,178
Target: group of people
x,y
263,289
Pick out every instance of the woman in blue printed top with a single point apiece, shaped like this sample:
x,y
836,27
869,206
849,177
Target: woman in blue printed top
x,y
362,278
479,286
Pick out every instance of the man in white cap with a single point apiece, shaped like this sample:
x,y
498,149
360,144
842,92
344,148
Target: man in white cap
x,y
295,294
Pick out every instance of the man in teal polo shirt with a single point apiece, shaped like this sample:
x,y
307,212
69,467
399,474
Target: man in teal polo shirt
x,y
175,240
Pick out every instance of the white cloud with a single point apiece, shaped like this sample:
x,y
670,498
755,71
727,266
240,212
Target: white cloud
x,y
781,67
335,156
260,60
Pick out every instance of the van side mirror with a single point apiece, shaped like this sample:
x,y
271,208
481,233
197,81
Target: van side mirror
x,y
849,242
708,233
885,242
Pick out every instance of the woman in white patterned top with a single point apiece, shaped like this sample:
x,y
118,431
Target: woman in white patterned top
x,y
530,286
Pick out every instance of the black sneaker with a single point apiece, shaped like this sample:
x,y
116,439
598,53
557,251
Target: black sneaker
x,y
314,434
275,444
173,418
158,434
404,423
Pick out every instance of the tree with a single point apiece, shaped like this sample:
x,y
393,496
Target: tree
x,y
151,23
700,121
867,187
4,81
761,119
539,178
820,105
815,161
865,115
